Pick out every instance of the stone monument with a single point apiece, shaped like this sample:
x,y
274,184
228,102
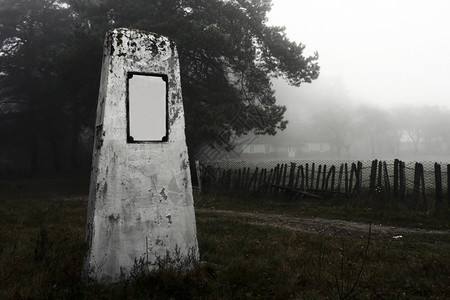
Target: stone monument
x,y
140,207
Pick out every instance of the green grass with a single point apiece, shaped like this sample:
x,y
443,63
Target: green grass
x,y
41,255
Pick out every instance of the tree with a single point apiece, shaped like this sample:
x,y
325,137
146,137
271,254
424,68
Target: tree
x,y
31,33
337,126
413,123
79,84
332,112
436,123
50,58
381,129
227,55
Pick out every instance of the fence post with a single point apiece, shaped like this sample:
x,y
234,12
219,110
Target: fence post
x,y
260,180
380,173
438,182
373,175
319,171
402,179
306,176
422,179
219,179
341,172
199,175
350,184
327,179
292,175
416,183
272,178
396,163
360,169
448,184
243,181
387,183
283,183
254,179
297,178
269,181
239,180
277,178
324,175
303,185
333,175
264,179
346,178
247,178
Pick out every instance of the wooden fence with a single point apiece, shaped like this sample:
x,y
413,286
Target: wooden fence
x,y
308,179
396,180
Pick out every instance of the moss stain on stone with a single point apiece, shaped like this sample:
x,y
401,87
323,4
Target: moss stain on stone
x,y
99,135
119,38
163,194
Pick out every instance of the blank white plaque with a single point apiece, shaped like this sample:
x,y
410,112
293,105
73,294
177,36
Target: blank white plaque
x,y
147,105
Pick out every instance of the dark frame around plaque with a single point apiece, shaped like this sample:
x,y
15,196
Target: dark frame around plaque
x,y
131,139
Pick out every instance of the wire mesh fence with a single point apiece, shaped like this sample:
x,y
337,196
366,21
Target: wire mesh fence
x,y
425,183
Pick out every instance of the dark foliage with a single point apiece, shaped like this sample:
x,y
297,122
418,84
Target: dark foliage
x,y
50,68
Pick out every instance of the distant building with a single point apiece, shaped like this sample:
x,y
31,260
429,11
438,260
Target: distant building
x,y
266,147
257,149
319,147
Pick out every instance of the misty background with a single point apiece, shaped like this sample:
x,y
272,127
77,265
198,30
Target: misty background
x,y
383,91
329,124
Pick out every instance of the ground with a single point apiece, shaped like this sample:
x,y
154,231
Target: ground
x,y
331,227
250,247
324,226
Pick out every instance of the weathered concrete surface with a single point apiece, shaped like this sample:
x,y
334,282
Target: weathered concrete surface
x,y
140,199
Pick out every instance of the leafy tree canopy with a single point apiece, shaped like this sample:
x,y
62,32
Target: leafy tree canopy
x,y
50,59
227,54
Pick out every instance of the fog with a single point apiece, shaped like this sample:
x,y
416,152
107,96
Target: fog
x,y
386,52
384,87
325,122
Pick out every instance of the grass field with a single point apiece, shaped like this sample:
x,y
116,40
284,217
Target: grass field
x,y
362,208
42,235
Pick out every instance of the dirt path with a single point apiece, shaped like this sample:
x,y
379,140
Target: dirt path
x,y
330,227
324,226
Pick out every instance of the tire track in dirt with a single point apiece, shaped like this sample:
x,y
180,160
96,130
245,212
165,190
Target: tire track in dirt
x,y
331,227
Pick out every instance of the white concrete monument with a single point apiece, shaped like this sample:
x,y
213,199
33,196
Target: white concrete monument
x,y
140,200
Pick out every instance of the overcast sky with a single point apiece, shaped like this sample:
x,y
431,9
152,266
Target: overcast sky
x,y
387,52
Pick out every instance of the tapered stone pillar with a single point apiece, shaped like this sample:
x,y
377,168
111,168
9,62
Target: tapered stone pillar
x,y
140,200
